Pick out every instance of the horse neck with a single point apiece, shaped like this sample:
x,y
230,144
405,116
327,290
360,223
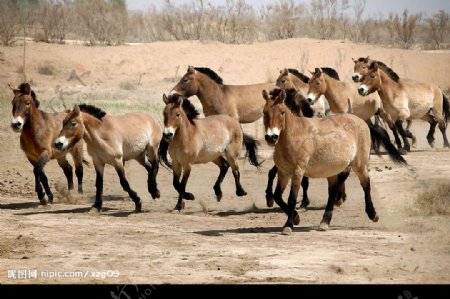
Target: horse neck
x,y
91,125
208,92
35,122
387,86
292,127
299,84
185,132
336,95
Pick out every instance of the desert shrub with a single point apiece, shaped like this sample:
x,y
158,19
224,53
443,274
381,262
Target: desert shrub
x,y
127,85
434,199
46,68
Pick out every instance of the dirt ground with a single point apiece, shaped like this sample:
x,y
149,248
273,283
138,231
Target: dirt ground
x,y
236,240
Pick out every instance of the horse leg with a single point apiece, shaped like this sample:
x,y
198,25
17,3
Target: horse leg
x,y
433,122
67,169
223,165
442,127
99,169
152,171
38,170
406,145
182,187
333,190
341,197
77,155
293,217
237,176
269,194
126,187
305,186
44,181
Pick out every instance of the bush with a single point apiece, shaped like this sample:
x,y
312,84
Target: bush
x,y
127,85
46,68
434,199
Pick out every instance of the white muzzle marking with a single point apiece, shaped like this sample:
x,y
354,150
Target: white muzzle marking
x,y
17,123
62,142
272,132
363,89
169,131
312,97
356,77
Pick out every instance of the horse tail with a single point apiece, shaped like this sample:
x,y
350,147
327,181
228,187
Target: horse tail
x,y
380,136
251,145
162,154
445,108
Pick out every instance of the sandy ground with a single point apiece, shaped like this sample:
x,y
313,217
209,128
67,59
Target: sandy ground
x,y
237,240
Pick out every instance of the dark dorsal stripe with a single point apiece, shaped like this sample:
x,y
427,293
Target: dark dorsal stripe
x,y
190,110
92,110
330,72
390,72
299,75
25,88
210,73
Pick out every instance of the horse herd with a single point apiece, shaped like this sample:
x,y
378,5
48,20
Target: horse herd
x,y
320,127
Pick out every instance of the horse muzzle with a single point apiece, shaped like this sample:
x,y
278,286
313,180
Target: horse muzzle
x,y
311,98
61,143
17,126
272,139
168,136
356,77
363,90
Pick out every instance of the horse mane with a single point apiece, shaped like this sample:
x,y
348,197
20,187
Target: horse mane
x,y
299,75
92,110
210,73
275,93
390,72
190,110
25,88
304,106
331,72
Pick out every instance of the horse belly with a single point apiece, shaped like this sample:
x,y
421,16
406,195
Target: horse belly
x,y
420,104
135,146
330,157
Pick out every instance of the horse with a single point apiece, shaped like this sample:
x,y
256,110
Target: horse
x,y
361,69
38,130
292,78
299,107
242,102
328,147
113,140
408,99
215,138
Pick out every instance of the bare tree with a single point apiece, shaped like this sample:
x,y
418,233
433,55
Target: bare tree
x,y
358,9
438,28
9,26
325,15
282,19
404,28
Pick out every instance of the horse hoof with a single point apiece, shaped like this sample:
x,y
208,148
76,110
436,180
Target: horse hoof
x,y
155,194
270,202
219,197
241,193
324,226
94,211
176,211
188,196
376,218
338,203
43,202
286,231
304,204
297,219
138,208
402,151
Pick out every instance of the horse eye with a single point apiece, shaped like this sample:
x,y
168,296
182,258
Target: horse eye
x,y
317,83
372,76
283,81
282,112
364,67
186,80
28,103
74,124
178,114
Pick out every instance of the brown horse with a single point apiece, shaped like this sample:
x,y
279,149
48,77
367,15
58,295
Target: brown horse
x,y
407,99
216,138
240,101
292,78
361,69
114,140
38,130
326,147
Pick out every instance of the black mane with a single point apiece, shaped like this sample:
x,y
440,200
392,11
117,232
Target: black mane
x,y
297,103
190,110
92,110
25,88
210,73
390,72
299,75
330,72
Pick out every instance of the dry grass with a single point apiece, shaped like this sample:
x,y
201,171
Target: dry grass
x,y
46,68
434,199
127,85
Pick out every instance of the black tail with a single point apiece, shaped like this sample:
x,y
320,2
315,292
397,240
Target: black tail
x,y
380,136
162,154
251,146
446,108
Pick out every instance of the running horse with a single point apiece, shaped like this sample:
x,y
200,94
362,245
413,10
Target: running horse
x,y
113,140
38,130
215,138
328,147
423,101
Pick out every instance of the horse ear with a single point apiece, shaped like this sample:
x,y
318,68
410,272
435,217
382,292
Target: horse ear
x,y
76,109
14,90
265,95
165,99
366,60
353,59
282,96
191,69
286,71
375,66
179,100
